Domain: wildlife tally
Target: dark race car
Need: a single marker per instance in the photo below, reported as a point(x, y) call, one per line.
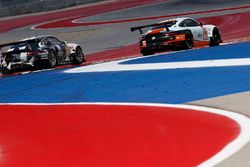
point(41, 52)
point(180, 33)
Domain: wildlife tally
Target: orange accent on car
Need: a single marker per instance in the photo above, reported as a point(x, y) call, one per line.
point(156, 31)
point(200, 43)
point(178, 38)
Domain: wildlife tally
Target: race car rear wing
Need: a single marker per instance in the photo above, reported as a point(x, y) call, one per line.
point(16, 43)
point(6, 45)
point(166, 25)
point(9, 45)
point(26, 42)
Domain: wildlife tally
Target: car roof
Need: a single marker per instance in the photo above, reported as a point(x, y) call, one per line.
point(36, 38)
point(178, 19)
point(26, 40)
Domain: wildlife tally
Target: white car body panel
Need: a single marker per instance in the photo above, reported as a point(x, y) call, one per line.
point(209, 28)
point(72, 47)
point(200, 33)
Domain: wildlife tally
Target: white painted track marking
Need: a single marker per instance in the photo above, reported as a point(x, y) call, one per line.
point(116, 66)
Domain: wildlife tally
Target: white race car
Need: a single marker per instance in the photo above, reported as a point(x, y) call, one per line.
point(183, 33)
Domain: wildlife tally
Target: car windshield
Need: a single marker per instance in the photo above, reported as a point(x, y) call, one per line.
point(163, 25)
point(157, 27)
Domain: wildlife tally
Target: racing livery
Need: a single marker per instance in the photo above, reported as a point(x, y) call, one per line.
point(180, 33)
point(41, 51)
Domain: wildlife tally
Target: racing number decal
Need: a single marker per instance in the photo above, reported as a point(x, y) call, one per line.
point(205, 34)
point(67, 50)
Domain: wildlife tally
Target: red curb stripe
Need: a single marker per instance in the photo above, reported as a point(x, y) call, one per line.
point(110, 136)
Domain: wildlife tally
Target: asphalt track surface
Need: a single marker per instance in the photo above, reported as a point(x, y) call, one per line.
point(221, 71)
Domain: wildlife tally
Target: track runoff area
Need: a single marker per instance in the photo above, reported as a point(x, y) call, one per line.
point(117, 113)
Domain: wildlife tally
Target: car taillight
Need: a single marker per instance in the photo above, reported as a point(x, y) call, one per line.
point(4, 55)
point(32, 52)
point(141, 37)
point(172, 33)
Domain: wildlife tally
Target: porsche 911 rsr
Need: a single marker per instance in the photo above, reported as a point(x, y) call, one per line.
point(40, 51)
point(180, 33)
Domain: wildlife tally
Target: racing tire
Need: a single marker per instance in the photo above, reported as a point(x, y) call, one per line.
point(52, 59)
point(216, 38)
point(146, 52)
point(189, 42)
point(78, 57)
point(5, 71)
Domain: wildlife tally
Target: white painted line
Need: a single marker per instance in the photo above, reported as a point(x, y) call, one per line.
point(228, 150)
point(116, 66)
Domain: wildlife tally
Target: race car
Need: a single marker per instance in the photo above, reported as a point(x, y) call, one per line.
point(41, 51)
point(178, 33)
